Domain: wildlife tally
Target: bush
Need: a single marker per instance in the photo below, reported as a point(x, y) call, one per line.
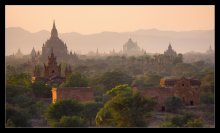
point(184, 120)
point(195, 123)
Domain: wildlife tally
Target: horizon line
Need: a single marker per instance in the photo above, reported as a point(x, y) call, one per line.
point(114, 31)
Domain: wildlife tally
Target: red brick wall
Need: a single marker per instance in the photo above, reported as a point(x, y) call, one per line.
point(187, 92)
point(182, 89)
point(160, 95)
point(82, 94)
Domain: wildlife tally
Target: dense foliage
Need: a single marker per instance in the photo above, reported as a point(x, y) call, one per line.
point(75, 80)
point(183, 120)
point(24, 99)
point(124, 109)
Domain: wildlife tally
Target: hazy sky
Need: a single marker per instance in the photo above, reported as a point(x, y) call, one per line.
point(93, 19)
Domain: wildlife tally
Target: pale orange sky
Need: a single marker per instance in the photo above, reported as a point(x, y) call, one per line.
point(93, 19)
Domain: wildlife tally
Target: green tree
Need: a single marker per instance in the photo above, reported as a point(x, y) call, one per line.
point(22, 79)
point(124, 109)
point(71, 121)
point(16, 116)
point(208, 82)
point(186, 119)
point(75, 80)
point(40, 89)
point(147, 80)
point(173, 104)
point(112, 79)
point(62, 108)
point(184, 69)
point(19, 96)
point(89, 112)
point(82, 69)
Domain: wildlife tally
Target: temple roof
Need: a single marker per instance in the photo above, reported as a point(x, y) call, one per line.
point(54, 40)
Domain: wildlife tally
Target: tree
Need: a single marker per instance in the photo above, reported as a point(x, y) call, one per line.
point(82, 69)
point(16, 116)
point(184, 69)
point(208, 81)
point(22, 79)
point(112, 79)
point(173, 104)
point(71, 121)
point(62, 108)
point(75, 80)
point(147, 80)
point(19, 96)
point(187, 119)
point(19, 99)
point(90, 110)
point(124, 109)
point(40, 89)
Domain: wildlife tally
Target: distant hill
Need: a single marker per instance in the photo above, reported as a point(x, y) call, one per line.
point(152, 40)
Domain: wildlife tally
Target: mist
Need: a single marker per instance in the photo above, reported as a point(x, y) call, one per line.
point(151, 40)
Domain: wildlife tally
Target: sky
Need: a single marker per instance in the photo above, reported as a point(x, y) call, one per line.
point(88, 19)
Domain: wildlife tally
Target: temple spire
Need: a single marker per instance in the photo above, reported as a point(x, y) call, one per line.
point(169, 47)
point(54, 32)
point(54, 26)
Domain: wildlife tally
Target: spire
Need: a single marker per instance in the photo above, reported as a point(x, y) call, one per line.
point(33, 52)
point(169, 47)
point(210, 50)
point(54, 32)
point(54, 26)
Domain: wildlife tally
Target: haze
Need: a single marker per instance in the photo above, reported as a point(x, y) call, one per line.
point(95, 19)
